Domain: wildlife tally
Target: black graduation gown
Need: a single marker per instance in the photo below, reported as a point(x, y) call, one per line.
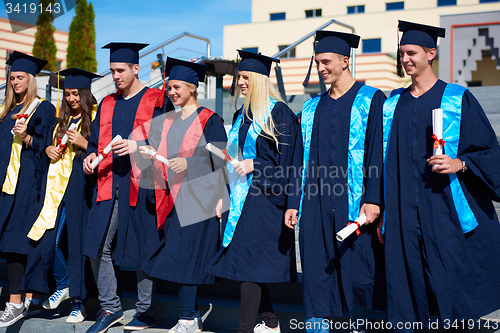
point(19, 211)
point(191, 240)
point(263, 248)
point(77, 201)
point(462, 267)
point(137, 236)
point(337, 276)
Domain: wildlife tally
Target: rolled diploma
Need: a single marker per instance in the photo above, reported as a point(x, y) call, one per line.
point(214, 150)
point(437, 129)
point(151, 153)
point(348, 230)
point(107, 150)
point(30, 110)
point(65, 137)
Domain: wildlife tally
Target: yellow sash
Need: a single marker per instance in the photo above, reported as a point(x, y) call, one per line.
point(10, 182)
point(57, 182)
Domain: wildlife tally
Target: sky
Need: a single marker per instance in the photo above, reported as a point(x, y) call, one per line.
point(155, 21)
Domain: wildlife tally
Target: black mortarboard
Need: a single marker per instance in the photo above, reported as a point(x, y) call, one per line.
point(420, 34)
point(124, 52)
point(77, 78)
point(20, 62)
point(254, 62)
point(335, 42)
point(185, 71)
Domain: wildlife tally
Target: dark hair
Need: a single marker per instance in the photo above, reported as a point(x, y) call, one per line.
point(87, 101)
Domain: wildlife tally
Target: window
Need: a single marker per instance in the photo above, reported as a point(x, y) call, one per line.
point(277, 16)
point(313, 13)
point(288, 54)
point(372, 45)
point(394, 5)
point(447, 3)
point(251, 49)
point(486, 1)
point(355, 9)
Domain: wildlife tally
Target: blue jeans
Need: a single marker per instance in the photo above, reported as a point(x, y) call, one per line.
point(60, 273)
point(317, 325)
point(187, 298)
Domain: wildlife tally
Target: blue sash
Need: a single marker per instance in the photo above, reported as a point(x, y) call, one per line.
point(451, 103)
point(240, 185)
point(356, 149)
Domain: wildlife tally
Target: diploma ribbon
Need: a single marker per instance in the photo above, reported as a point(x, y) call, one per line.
point(103, 153)
point(24, 115)
point(356, 223)
point(437, 142)
point(227, 157)
point(62, 147)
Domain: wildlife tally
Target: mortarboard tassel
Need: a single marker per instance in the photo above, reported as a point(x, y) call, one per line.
point(399, 66)
point(308, 76)
point(161, 98)
point(235, 75)
point(58, 105)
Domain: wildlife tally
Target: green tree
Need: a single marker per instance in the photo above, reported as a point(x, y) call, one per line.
point(45, 44)
point(81, 38)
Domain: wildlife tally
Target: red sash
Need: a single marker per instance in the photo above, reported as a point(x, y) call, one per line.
point(142, 118)
point(165, 195)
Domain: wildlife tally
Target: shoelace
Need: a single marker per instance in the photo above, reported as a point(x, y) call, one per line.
point(77, 308)
point(8, 310)
point(56, 295)
point(101, 315)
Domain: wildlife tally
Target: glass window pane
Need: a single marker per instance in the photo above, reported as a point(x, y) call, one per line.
point(372, 45)
point(277, 16)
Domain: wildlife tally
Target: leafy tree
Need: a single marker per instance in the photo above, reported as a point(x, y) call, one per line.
point(45, 44)
point(81, 39)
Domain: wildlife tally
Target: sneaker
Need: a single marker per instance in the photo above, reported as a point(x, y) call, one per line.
point(31, 309)
point(186, 326)
point(11, 314)
point(263, 328)
point(105, 320)
point(78, 314)
point(141, 321)
point(57, 297)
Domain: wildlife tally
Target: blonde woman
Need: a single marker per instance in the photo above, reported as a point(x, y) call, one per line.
point(21, 170)
point(257, 248)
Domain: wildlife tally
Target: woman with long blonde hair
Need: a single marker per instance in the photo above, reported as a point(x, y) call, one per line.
point(257, 249)
point(21, 169)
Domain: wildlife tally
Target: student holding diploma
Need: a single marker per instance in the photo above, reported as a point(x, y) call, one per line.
point(188, 191)
point(441, 230)
point(22, 167)
point(257, 247)
point(122, 205)
point(339, 152)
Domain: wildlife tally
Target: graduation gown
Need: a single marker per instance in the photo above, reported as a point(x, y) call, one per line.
point(191, 228)
point(77, 201)
point(336, 275)
point(136, 236)
point(422, 222)
point(262, 249)
point(19, 211)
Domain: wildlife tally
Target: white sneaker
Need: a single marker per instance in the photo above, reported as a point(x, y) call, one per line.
point(263, 328)
point(57, 297)
point(78, 314)
point(11, 314)
point(186, 326)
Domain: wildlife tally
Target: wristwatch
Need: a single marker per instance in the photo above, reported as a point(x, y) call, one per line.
point(464, 165)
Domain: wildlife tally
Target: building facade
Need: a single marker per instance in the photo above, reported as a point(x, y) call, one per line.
point(279, 23)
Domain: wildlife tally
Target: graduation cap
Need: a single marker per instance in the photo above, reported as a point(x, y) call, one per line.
point(420, 34)
point(77, 78)
point(20, 62)
point(255, 62)
point(124, 52)
point(335, 42)
point(185, 71)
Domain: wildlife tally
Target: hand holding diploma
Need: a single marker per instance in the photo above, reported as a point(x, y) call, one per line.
point(149, 151)
point(351, 227)
point(23, 117)
point(61, 143)
point(104, 152)
point(223, 154)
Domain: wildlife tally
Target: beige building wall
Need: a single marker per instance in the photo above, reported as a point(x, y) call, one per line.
point(377, 69)
point(23, 42)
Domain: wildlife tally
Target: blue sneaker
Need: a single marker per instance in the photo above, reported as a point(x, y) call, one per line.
point(105, 320)
point(141, 321)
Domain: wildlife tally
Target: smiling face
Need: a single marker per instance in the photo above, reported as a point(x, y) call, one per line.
point(415, 59)
point(72, 98)
point(19, 82)
point(179, 92)
point(123, 74)
point(243, 82)
point(331, 66)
